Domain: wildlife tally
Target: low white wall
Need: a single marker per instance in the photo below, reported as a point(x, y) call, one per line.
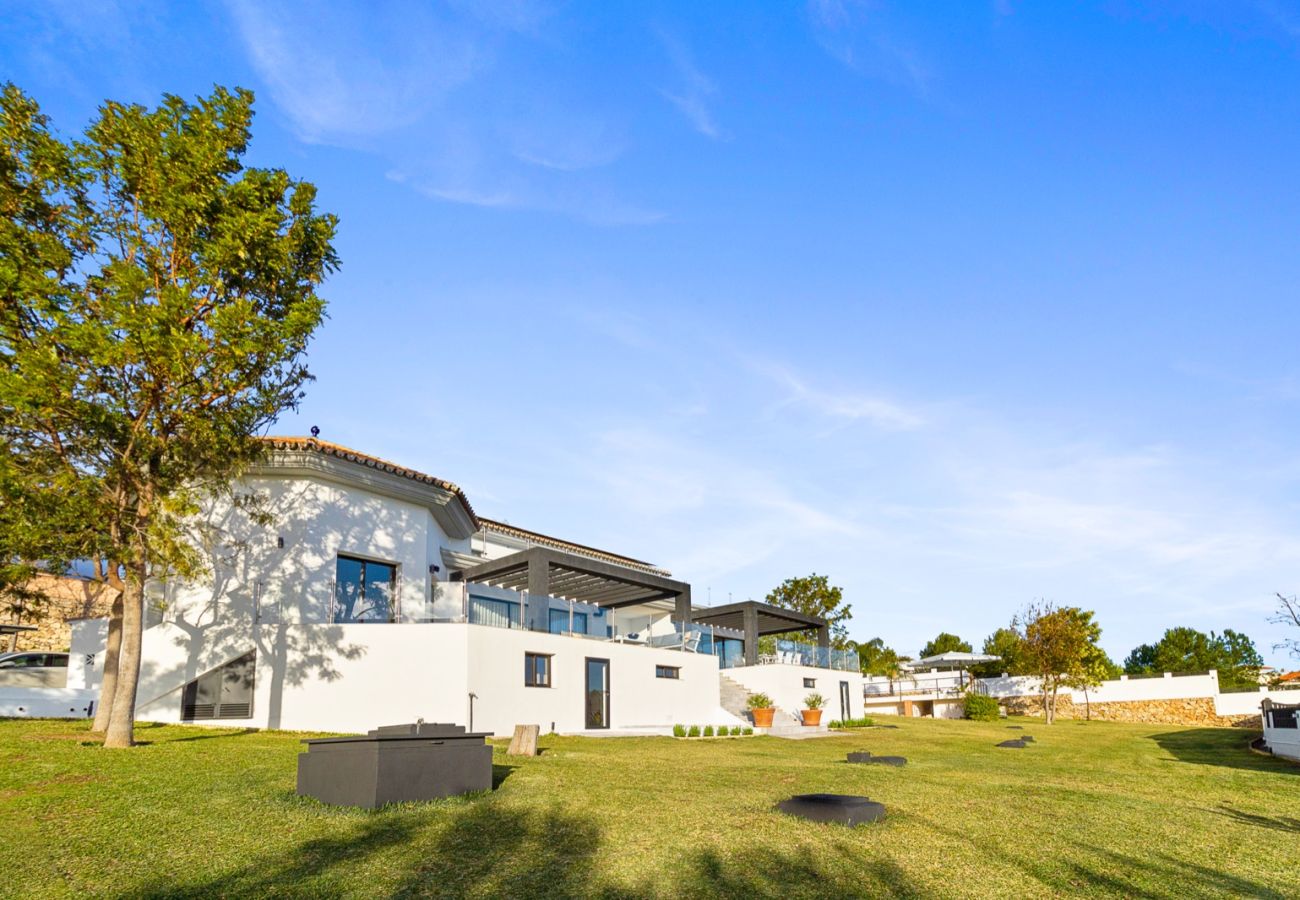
point(784, 684)
point(1168, 687)
point(1248, 703)
point(48, 703)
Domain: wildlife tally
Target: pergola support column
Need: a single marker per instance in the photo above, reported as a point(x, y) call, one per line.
point(682, 612)
point(750, 619)
point(537, 615)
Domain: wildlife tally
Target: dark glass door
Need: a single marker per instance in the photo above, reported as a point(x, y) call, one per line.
point(597, 693)
point(844, 701)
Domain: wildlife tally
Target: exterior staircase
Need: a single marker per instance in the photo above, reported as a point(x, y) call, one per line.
point(735, 700)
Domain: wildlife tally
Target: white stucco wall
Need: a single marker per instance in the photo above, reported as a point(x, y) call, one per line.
point(638, 700)
point(784, 684)
point(317, 520)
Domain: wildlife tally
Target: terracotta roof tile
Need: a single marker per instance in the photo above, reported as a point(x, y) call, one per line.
point(570, 547)
point(374, 462)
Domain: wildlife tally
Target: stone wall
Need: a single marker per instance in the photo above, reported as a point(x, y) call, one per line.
point(66, 598)
point(1189, 711)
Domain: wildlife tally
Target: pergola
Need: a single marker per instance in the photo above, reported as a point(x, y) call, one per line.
point(756, 619)
point(544, 572)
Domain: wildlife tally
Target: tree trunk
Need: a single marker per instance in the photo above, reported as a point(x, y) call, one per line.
point(121, 723)
point(112, 649)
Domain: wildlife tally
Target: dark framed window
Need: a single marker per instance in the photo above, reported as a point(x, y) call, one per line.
point(674, 672)
point(810, 682)
point(364, 590)
point(537, 670)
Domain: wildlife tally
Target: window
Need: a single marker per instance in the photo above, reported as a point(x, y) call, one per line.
point(673, 672)
point(537, 670)
point(364, 591)
point(224, 693)
point(559, 622)
point(497, 613)
point(810, 682)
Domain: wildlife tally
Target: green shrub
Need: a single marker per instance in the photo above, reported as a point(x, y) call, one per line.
point(747, 730)
point(981, 708)
point(694, 731)
point(735, 730)
point(708, 731)
point(839, 724)
point(679, 731)
point(759, 701)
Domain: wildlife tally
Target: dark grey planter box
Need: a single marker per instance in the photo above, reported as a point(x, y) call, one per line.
point(395, 764)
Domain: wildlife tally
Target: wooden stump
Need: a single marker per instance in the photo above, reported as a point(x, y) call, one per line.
point(524, 742)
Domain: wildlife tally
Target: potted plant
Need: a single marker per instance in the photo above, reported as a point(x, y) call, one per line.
point(811, 714)
point(760, 707)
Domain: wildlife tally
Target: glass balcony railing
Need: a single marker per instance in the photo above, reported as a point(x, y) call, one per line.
point(795, 653)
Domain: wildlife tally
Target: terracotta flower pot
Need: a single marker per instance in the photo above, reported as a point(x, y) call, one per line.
point(811, 716)
point(763, 717)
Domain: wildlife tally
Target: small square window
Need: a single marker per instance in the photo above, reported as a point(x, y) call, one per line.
point(673, 672)
point(810, 682)
point(537, 670)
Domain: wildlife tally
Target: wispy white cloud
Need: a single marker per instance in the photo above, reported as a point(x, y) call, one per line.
point(409, 82)
point(845, 405)
point(346, 73)
point(694, 91)
point(858, 34)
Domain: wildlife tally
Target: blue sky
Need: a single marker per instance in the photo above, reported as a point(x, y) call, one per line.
point(963, 304)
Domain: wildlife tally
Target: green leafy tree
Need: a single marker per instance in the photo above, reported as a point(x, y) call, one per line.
point(945, 643)
point(875, 658)
point(1059, 648)
point(814, 595)
point(1185, 650)
point(156, 300)
point(1004, 643)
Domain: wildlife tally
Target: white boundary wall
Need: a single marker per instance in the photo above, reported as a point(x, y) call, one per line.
point(48, 703)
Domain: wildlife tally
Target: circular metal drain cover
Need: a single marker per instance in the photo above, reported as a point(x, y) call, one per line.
point(846, 809)
point(866, 757)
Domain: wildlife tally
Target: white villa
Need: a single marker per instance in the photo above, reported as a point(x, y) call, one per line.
point(377, 595)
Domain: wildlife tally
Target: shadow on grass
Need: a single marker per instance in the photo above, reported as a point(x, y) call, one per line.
point(487, 848)
point(1278, 823)
point(771, 872)
point(1151, 874)
point(229, 733)
point(1218, 747)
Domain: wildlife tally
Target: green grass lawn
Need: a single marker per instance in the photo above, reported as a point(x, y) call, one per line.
point(1090, 809)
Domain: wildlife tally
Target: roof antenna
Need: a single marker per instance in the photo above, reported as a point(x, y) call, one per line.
point(315, 432)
